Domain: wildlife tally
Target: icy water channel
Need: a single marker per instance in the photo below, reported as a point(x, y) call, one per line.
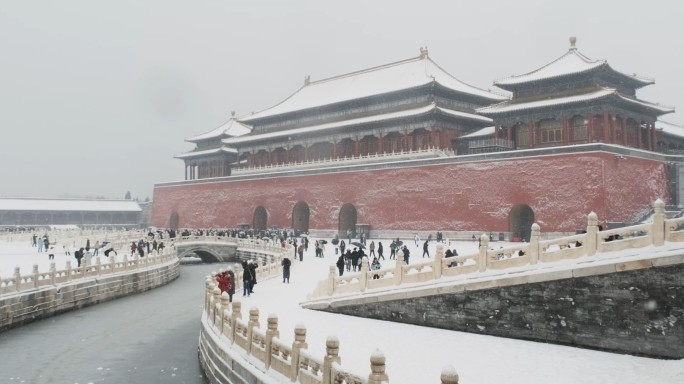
point(146, 338)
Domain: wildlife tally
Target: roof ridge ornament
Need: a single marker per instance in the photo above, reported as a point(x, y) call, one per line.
point(423, 52)
point(573, 40)
point(307, 80)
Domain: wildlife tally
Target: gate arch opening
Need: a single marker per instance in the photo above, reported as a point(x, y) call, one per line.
point(300, 217)
point(174, 221)
point(347, 220)
point(260, 219)
point(520, 221)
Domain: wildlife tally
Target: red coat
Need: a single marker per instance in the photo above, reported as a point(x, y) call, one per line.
point(225, 283)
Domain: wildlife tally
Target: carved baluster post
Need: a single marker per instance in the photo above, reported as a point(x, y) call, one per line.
point(591, 238)
point(534, 243)
point(298, 344)
point(53, 273)
point(437, 266)
point(449, 375)
point(17, 279)
point(483, 260)
point(377, 375)
point(236, 314)
point(364, 274)
point(125, 262)
point(332, 351)
point(658, 229)
point(209, 283)
point(251, 324)
point(36, 275)
point(212, 302)
point(399, 268)
point(112, 262)
point(68, 270)
point(271, 332)
point(332, 274)
point(98, 266)
point(225, 304)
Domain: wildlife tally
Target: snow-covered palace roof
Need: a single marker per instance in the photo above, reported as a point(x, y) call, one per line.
point(231, 128)
point(511, 106)
point(572, 62)
point(392, 77)
point(431, 108)
point(29, 204)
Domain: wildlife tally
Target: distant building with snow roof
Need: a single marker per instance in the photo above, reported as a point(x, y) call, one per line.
point(41, 212)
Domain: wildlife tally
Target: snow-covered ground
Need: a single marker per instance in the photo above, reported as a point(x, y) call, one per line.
point(417, 354)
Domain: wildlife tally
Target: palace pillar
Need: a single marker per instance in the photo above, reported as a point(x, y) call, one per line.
point(590, 128)
point(608, 134)
point(566, 130)
point(381, 141)
point(653, 137)
point(639, 129)
point(356, 147)
point(533, 135)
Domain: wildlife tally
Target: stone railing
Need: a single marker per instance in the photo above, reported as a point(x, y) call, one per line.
point(524, 254)
point(20, 283)
point(223, 330)
point(340, 161)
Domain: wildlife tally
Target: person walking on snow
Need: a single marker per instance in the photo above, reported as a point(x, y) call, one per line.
point(286, 269)
point(425, 249)
point(371, 249)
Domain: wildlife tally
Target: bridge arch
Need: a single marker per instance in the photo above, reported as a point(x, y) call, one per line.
point(300, 217)
point(520, 220)
point(206, 254)
point(347, 219)
point(260, 218)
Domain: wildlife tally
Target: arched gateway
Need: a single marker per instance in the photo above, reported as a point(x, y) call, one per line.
point(347, 219)
point(174, 221)
point(300, 217)
point(520, 221)
point(260, 218)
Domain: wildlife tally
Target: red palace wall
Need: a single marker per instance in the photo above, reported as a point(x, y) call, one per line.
point(561, 190)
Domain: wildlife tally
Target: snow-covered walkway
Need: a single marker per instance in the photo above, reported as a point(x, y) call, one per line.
point(417, 354)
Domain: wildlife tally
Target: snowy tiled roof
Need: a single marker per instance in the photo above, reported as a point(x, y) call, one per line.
point(361, 120)
point(508, 106)
point(231, 128)
point(486, 131)
point(373, 81)
point(573, 62)
point(213, 151)
point(26, 204)
point(670, 128)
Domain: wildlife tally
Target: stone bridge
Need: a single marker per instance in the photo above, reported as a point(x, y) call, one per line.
point(208, 251)
point(213, 249)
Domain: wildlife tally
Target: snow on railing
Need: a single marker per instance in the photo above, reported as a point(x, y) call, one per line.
point(294, 361)
point(431, 152)
point(515, 256)
point(36, 279)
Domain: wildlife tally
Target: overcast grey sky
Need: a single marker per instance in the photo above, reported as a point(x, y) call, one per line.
point(97, 97)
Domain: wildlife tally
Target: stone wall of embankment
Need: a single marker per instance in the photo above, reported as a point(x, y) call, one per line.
point(638, 310)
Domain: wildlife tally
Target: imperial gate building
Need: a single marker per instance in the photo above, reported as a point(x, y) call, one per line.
point(407, 146)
